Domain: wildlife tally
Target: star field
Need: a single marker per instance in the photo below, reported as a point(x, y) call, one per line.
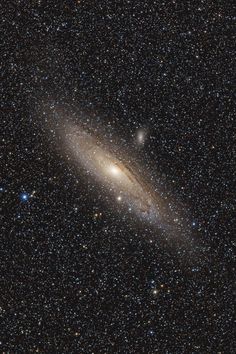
point(78, 273)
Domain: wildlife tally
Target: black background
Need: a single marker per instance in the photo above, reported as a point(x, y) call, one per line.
point(74, 282)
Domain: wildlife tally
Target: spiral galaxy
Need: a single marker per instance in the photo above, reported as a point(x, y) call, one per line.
point(111, 172)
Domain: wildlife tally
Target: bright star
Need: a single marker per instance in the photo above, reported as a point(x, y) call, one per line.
point(24, 197)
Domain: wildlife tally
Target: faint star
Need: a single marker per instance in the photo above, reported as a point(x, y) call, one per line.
point(151, 332)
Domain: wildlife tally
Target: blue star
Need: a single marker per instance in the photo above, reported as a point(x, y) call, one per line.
point(151, 332)
point(24, 197)
point(152, 283)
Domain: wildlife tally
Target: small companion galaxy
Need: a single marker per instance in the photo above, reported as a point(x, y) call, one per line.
point(118, 159)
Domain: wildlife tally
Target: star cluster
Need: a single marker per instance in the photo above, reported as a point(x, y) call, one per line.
point(77, 274)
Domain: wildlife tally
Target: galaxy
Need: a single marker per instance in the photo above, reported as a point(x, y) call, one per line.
point(109, 170)
point(126, 183)
point(117, 177)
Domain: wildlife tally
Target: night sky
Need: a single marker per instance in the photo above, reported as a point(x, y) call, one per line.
point(80, 272)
